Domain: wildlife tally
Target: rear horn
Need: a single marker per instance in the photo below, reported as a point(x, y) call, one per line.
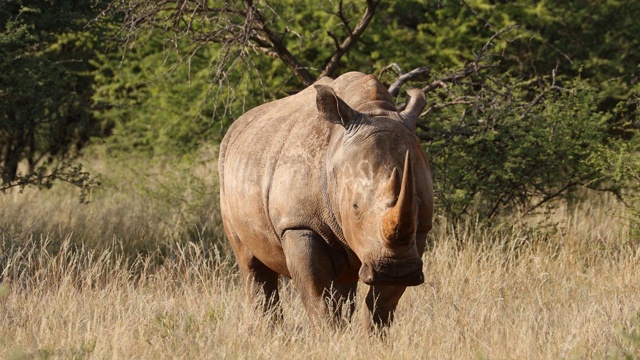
point(416, 102)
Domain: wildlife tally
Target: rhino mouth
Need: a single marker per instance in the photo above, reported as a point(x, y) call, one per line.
point(406, 272)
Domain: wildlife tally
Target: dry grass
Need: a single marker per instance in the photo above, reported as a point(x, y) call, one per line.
point(509, 292)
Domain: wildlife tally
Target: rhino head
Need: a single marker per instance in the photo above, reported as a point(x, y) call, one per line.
point(371, 184)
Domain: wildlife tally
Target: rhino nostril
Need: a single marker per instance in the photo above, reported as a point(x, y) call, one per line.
point(366, 274)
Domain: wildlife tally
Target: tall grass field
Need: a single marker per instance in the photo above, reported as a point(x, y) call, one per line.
point(143, 272)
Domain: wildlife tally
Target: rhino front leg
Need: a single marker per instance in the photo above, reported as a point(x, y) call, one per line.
point(313, 268)
point(379, 306)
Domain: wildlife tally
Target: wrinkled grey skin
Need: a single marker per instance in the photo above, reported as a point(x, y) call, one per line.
point(328, 187)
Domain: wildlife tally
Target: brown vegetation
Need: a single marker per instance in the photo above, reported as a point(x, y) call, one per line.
point(571, 290)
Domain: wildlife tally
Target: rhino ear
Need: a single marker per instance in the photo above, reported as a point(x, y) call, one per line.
point(334, 109)
point(416, 102)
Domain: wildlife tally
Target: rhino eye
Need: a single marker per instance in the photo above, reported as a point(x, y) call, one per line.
point(356, 212)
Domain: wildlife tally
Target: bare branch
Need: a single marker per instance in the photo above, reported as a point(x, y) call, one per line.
point(352, 37)
point(238, 25)
point(473, 67)
point(495, 36)
point(469, 70)
point(335, 39)
point(343, 18)
point(391, 67)
point(265, 50)
point(420, 72)
point(278, 46)
point(446, 105)
point(551, 196)
point(474, 12)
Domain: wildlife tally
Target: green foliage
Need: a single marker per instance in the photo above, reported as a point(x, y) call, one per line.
point(529, 109)
point(535, 92)
point(45, 104)
point(590, 39)
point(157, 102)
point(518, 153)
point(150, 107)
point(518, 131)
point(621, 164)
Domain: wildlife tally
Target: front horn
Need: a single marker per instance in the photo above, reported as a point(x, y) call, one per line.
point(399, 222)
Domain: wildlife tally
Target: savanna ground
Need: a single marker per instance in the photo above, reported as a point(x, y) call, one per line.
point(142, 271)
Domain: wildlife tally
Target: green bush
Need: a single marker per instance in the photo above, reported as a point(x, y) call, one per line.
point(45, 90)
point(534, 92)
point(518, 150)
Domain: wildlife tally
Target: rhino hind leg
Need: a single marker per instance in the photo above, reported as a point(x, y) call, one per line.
point(261, 282)
point(262, 285)
point(314, 270)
